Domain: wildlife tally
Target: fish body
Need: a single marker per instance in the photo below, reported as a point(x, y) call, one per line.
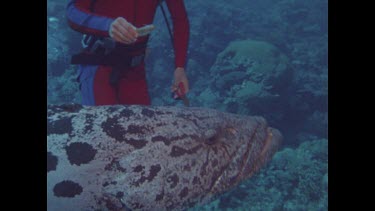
point(149, 158)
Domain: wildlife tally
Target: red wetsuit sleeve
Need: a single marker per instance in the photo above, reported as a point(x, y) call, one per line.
point(180, 30)
point(81, 19)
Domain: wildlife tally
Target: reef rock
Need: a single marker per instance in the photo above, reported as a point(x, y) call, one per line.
point(251, 73)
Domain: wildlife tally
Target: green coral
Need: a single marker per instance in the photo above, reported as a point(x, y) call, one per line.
point(248, 90)
point(250, 77)
point(254, 56)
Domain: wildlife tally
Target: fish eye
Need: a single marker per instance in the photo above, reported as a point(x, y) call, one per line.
point(212, 140)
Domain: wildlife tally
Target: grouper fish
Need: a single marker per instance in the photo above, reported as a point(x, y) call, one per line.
point(149, 158)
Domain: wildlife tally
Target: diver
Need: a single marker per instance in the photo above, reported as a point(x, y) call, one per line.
point(111, 66)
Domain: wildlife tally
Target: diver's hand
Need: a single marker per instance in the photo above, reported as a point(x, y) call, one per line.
point(123, 31)
point(180, 76)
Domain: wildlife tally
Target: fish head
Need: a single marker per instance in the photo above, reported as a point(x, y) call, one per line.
point(235, 148)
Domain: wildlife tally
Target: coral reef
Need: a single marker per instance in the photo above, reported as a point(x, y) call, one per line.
point(249, 77)
point(62, 42)
point(63, 89)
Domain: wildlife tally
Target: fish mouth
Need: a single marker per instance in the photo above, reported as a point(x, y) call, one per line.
point(270, 147)
point(270, 143)
point(248, 165)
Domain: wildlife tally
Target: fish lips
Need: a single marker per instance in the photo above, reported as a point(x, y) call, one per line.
point(269, 147)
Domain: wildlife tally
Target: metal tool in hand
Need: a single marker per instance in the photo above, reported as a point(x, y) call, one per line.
point(145, 30)
point(180, 94)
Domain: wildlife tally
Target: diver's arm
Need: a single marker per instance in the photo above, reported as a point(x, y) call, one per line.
point(180, 42)
point(81, 19)
point(180, 30)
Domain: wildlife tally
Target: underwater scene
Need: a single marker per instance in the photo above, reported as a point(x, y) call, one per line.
point(266, 58)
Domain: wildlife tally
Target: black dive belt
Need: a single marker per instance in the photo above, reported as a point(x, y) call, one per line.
point(120, 56)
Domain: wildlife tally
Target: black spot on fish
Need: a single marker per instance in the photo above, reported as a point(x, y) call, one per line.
point(184, 192)
point(161, 138)
point(187, 167)
point(112, 109)
point(161, 113)
point(138, 144)
point(113, 129)
point(67, 188)
point(153, 173)
point(178, 151)
point(116, 131)
point(135, 129)
point(183, 116)
point(188, 117)
point(51, 162)
point(114, 165)
point(177, 138)
point(138, 168)
point(196, 181)
point(159, 196)
point(120, 194)
point(105, 184)
point(51, 110)
point(60, 126)
point(147, 112)
point(80, 153)
point(137, 205)
point(173, 180)
point(113, 203)
point(72, 107)
point(127, 113)
point(160, 124)
point(120, 168)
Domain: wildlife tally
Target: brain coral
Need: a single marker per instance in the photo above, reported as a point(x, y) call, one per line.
point(253, 75)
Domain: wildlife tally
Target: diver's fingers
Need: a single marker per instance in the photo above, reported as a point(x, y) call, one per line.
point(118, 37)
point(122, 34)
point(115, 32)
point(130, 29)
point(121, 31)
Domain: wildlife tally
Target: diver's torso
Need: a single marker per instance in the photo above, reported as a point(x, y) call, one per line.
point(137, 12)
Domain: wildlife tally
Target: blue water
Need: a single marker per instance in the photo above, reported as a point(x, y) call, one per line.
point(251, 57)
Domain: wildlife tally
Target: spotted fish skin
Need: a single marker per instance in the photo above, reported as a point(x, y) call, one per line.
point(149, 158)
